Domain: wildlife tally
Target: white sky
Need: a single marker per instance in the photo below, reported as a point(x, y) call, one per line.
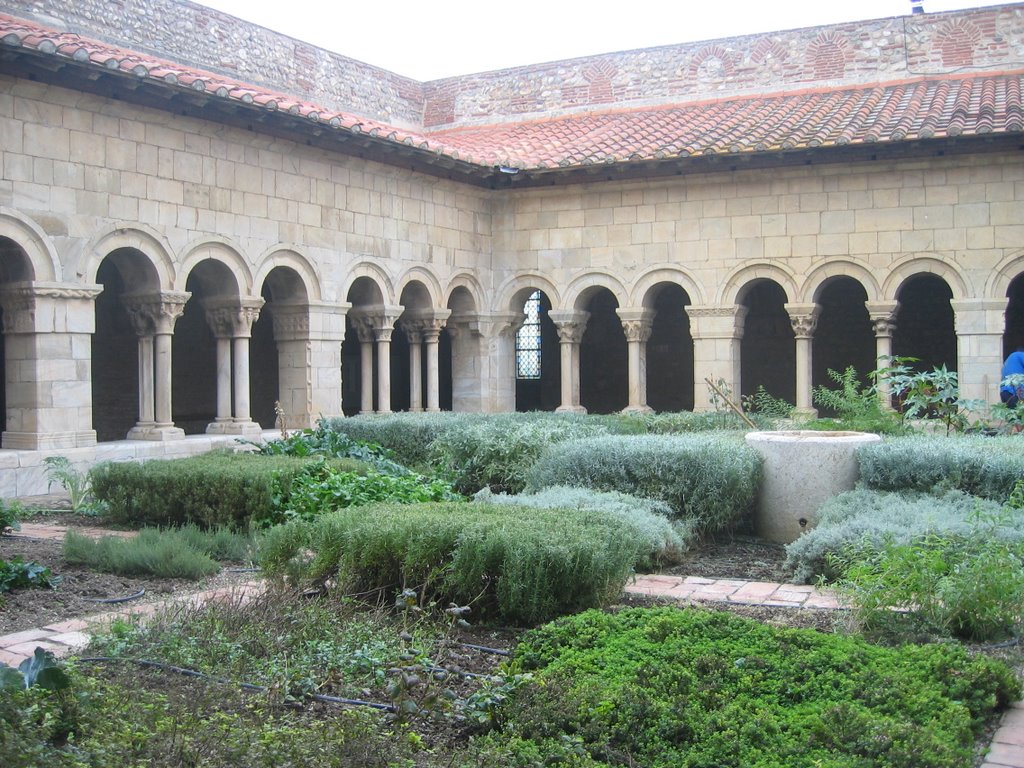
point(429, 39)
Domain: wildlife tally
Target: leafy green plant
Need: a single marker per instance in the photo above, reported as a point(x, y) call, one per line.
point(11, 513)
point(966, 586)
point(929, 394)
point(320, 488)
point(325, 440)
point(41, 669)
point(669, 687)
point(857, 406)
point(60, 470)
point(17, 574)
point(766, 404)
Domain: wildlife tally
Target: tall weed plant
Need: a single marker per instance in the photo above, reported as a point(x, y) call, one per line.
point(709, 481)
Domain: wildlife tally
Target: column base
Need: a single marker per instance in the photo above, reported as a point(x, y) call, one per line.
point(805, 413)
point(47, 441)
point(234, 428)
point(638, 409)
point(157, 432)
point(570, 409)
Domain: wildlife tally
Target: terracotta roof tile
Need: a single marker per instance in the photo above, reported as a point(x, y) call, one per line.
point(933, 107)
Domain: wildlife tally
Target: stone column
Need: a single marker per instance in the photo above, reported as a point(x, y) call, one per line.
point(364, 331)
point(231, 319)
point(980, 324)
point(883, 321)
point(308, 338)
point(154, 315)
point(47, 338)
point(413, 333)
point(432, 328)
point(804, 319)
point(716, 332)
point(637, 324)
point(571, 325)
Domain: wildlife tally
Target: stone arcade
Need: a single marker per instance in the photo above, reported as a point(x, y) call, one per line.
point(199, 216)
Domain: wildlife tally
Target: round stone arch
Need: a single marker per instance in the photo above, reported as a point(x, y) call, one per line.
point(906, 268)
point(223, 252)
point(1005, 272)
point(468, 283)
point(585, 286)
point(427, 279)
point(34, 242)
point(148, 242)
point(641, 292)
point(1006, 282)
point(295, 261)
point(819, 279)
point(373, 273)
point(741, 279)
point(513, 293)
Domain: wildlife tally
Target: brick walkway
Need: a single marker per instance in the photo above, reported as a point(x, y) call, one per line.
point(63, 638)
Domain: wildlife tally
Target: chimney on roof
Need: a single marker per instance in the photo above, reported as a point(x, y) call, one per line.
point(917, 6)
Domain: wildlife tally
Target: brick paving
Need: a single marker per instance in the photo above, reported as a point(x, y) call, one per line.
point(65, 637)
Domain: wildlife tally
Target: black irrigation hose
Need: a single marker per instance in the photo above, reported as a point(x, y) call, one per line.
point(485, 649)
point(1004, 644)
point(242, 570)
point(246, 686)
point(137, 595)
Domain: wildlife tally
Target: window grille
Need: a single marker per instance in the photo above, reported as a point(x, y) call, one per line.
point(528, 340)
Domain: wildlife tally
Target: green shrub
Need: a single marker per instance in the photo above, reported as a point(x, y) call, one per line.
point(970, 586)
point(320, 488)
point(209, 490)
point(865, 520)
point(407, 435)
point(982, 466)
point(330, 443)
point(665, 541)
point(683, 422)
point(669, 687)
point(524, 565)
point(10, 513)
point(709, 481)
point(497, 452)
point(186, 554)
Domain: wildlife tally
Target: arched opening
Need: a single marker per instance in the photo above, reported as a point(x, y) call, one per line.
point(669, 350)
point(269, 366)
point(194, 350)
point(115, 343)
point(924, 323)
point(538, 364)
point(604, 368)
point(768, 348)
point(359, 350)
point(1013, 333)
point(15, 267)
point(843, 336)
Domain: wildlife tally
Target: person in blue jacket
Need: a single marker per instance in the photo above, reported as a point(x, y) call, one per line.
point(1014, 365)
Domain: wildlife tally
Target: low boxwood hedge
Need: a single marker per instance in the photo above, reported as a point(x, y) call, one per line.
point(519, 564)
point(710, 481)
point(219, 488)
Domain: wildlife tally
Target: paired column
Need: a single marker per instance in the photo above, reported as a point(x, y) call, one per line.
point(152, 317)
point(423, 331)
point(374, 326)
point(571, 325)
point(804, 319)
point(231, 321)
point(47, 329)
point(717, 333)
point(637, 324)
point(883, 321)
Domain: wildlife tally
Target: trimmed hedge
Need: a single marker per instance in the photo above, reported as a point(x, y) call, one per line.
point(982, 466)
point(214, 489)
point(666, 687)
point(865, 518)
point(521, 565)
point(710, 481)
point(407, 435)
point(665, 541)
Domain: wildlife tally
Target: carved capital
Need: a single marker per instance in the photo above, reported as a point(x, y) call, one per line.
point(803, 318)
point(883, 316)
point(291, 321)
point(21, 300)
point(571, 324)
point(636, 323)
point(232, 317)
point(155, 313)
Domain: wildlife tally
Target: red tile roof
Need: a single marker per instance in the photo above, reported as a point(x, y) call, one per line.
point(933, 107)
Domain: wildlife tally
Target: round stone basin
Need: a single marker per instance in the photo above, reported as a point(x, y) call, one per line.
point(802, 469)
